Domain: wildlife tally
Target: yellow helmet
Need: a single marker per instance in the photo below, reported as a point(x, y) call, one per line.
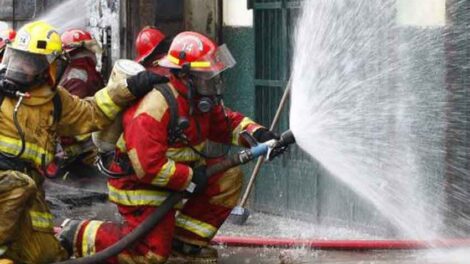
point(33, 54)
point(38, 37)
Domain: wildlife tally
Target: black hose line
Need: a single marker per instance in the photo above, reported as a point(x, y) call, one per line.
point(20, 133)
point(152, 220)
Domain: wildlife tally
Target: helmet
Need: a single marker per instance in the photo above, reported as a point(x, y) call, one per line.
point(146, 42)
point(73, 39)
point(36, 46)
point(6, 36)
point(199, 54)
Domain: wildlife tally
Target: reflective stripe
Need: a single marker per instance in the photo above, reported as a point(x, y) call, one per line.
point(197, 64)
point(76, 73)
point(242, 126)
point(197, 227)
point(89, 235)
point(3, 249)
point(135, 197)
point(31, 152)
point(185, 154)
point(165, 173)
point(106, 104)
point(41, 220)
point(73, 150)
point(121, 144)
point(83, 137)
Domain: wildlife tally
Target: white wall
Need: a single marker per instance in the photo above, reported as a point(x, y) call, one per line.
point(201, 16)
point(236, 14)
point(421, 12)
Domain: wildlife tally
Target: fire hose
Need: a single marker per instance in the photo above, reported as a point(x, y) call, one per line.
point(242, 157)
point(385, 244)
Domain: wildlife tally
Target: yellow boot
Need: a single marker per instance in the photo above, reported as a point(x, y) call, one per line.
point(6, 261)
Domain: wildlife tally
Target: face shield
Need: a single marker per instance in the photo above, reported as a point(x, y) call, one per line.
point(213, 64)
point(209, 87)
point(24, 68)
point(207, 80)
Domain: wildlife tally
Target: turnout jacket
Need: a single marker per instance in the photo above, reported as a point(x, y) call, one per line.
point(158, 166)
point(77, 117)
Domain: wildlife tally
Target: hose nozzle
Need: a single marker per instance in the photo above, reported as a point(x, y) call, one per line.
point(287, 138)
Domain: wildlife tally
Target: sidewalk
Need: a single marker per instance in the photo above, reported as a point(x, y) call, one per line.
point(87, 198)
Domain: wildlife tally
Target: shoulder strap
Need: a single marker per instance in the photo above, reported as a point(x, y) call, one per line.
point(57, 107)
point(165, 90)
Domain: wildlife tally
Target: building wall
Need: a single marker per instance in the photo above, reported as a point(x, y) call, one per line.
point(238, 35)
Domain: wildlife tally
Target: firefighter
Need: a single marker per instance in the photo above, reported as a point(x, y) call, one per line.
point(157, 157)
point(82, 79)
point(34, 111)
point(6, 36)
point(151, 45)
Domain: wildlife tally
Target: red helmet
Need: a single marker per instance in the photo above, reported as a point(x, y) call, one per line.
point(75, 38)
point(6, 36)
point(199, 53)
point(147, 41)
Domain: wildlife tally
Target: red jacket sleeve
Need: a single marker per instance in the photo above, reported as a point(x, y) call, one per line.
point(76, 87)
point(226, 127)
point(145, 136)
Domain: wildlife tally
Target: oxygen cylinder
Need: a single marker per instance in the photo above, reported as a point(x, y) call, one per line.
point(106, 139)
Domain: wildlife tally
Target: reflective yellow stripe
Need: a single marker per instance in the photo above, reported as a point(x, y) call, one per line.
point(242, 126)
point(89, 235)
point(173, 59)
point(3, 249)
point(185, 154)
point(41, 220)
point(200, 64)
point(73, 150)
point(197, 64)
point(165, 173)
point(136, 197)
point(32, 151)
point(106, 104)
point(83, 137)
point(197, 227)
point(121, 144)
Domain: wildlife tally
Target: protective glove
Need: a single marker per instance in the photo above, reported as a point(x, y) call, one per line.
point(276, 151)
point(142, 83)
point(199, 180)
point(263, 134)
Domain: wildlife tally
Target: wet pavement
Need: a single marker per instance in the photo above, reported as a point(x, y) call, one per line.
point(85, 197)
point(288, 256)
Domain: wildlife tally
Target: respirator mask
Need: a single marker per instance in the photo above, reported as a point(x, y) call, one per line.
point(209, 91)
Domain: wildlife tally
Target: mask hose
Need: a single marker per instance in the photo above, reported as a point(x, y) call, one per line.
point(20, 131)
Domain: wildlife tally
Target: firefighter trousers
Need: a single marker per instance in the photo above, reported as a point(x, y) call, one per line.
point(26, 227)
point(197, 222)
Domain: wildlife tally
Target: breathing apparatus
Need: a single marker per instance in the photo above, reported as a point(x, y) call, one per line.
point(202, 95)
point(32, 59)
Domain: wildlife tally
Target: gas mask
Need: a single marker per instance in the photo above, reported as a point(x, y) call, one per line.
point(27, 70)
point(209, 91)
point(24, 69)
